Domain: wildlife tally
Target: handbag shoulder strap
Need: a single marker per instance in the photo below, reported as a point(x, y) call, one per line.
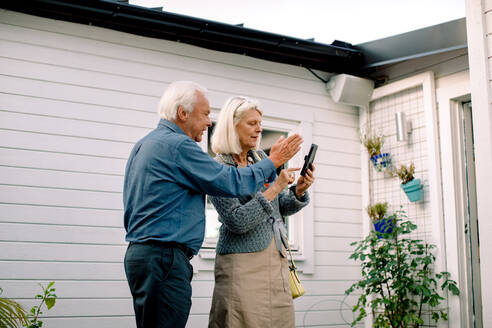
point(291, 257)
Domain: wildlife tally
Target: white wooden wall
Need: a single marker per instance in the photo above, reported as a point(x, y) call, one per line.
point(73, 101)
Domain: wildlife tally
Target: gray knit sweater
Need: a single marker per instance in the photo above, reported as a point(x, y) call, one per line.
point(245, 221)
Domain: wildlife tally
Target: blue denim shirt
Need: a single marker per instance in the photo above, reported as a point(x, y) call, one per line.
point(166, 179)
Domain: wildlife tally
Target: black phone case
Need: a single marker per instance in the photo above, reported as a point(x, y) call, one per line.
point(309, 158)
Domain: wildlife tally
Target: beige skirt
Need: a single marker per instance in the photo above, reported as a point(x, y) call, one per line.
point(252, 290)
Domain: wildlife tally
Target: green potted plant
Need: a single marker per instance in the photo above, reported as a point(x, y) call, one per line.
point(382, 223)
point(398, 281)
point(373, 143)
point(411, 186)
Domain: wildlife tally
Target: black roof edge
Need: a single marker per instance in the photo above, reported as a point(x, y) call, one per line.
point(339, 57)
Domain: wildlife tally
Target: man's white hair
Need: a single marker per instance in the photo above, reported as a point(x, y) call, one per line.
point(225, 139)
point(179, 93)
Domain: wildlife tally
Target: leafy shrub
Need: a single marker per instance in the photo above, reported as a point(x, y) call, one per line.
point(398, 282)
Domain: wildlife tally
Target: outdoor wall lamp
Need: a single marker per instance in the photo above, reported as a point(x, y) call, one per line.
point(403, 127)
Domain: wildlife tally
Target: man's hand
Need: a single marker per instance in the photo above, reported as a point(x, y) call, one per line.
point(284, 149)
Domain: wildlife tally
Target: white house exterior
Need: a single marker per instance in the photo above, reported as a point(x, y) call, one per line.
point(74, 99)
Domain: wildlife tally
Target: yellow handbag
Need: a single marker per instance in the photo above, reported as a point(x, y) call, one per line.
point(294, 281)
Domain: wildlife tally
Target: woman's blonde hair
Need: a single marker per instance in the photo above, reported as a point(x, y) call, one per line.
point(224, 138)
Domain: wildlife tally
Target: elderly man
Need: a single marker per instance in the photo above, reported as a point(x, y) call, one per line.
point(166, 179)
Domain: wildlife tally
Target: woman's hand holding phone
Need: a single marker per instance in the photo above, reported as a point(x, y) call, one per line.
point(304, 182)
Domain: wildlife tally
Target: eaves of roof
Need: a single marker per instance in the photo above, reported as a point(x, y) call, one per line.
point(428, 41)
point(338, 57)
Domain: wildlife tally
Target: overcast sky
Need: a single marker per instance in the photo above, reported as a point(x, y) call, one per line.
point(353, 21)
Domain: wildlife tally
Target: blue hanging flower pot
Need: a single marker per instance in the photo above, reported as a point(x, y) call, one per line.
point(381, 161)
point(413, 189)
point(383, 226)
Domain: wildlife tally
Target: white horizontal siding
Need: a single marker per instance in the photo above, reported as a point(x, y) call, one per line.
point(337, 215)
point(338, 172)
point(71, 289)
point(338, 187)
point(61, 234)
point(92, 321)
point(78, 111)
point(74, 99)
point(75, 93)
point(42, 214)
point(61, 179)
point(70, 127)
point(74, 145)
point(60, 197)
point(63, 162)
point(40, 270)
point(337, 229)
point(73, 250)
point(336, 158)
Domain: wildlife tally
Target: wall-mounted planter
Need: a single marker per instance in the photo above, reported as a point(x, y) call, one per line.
point(383, 226)
point(381, 161)
point(413, 189)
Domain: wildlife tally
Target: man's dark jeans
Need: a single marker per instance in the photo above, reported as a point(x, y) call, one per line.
point(159, 277)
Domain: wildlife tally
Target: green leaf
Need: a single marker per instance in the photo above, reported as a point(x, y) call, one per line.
point(50, 302)
point(454, 289)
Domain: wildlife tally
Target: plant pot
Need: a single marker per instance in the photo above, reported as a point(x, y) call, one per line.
point(413, 189)
point(381, 161)
point(383, 226)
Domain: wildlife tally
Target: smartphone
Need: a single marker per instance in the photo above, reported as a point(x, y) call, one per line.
point(309, 159)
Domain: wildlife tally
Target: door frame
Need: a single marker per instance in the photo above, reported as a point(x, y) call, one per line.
point(452, 92)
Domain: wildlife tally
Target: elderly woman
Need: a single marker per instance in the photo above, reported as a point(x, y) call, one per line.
point(251, 268)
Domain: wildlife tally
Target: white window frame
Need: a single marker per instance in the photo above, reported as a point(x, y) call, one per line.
point(301, 224)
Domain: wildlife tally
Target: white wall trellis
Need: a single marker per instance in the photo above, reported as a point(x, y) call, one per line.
point(383, 188)
point(415, 96)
